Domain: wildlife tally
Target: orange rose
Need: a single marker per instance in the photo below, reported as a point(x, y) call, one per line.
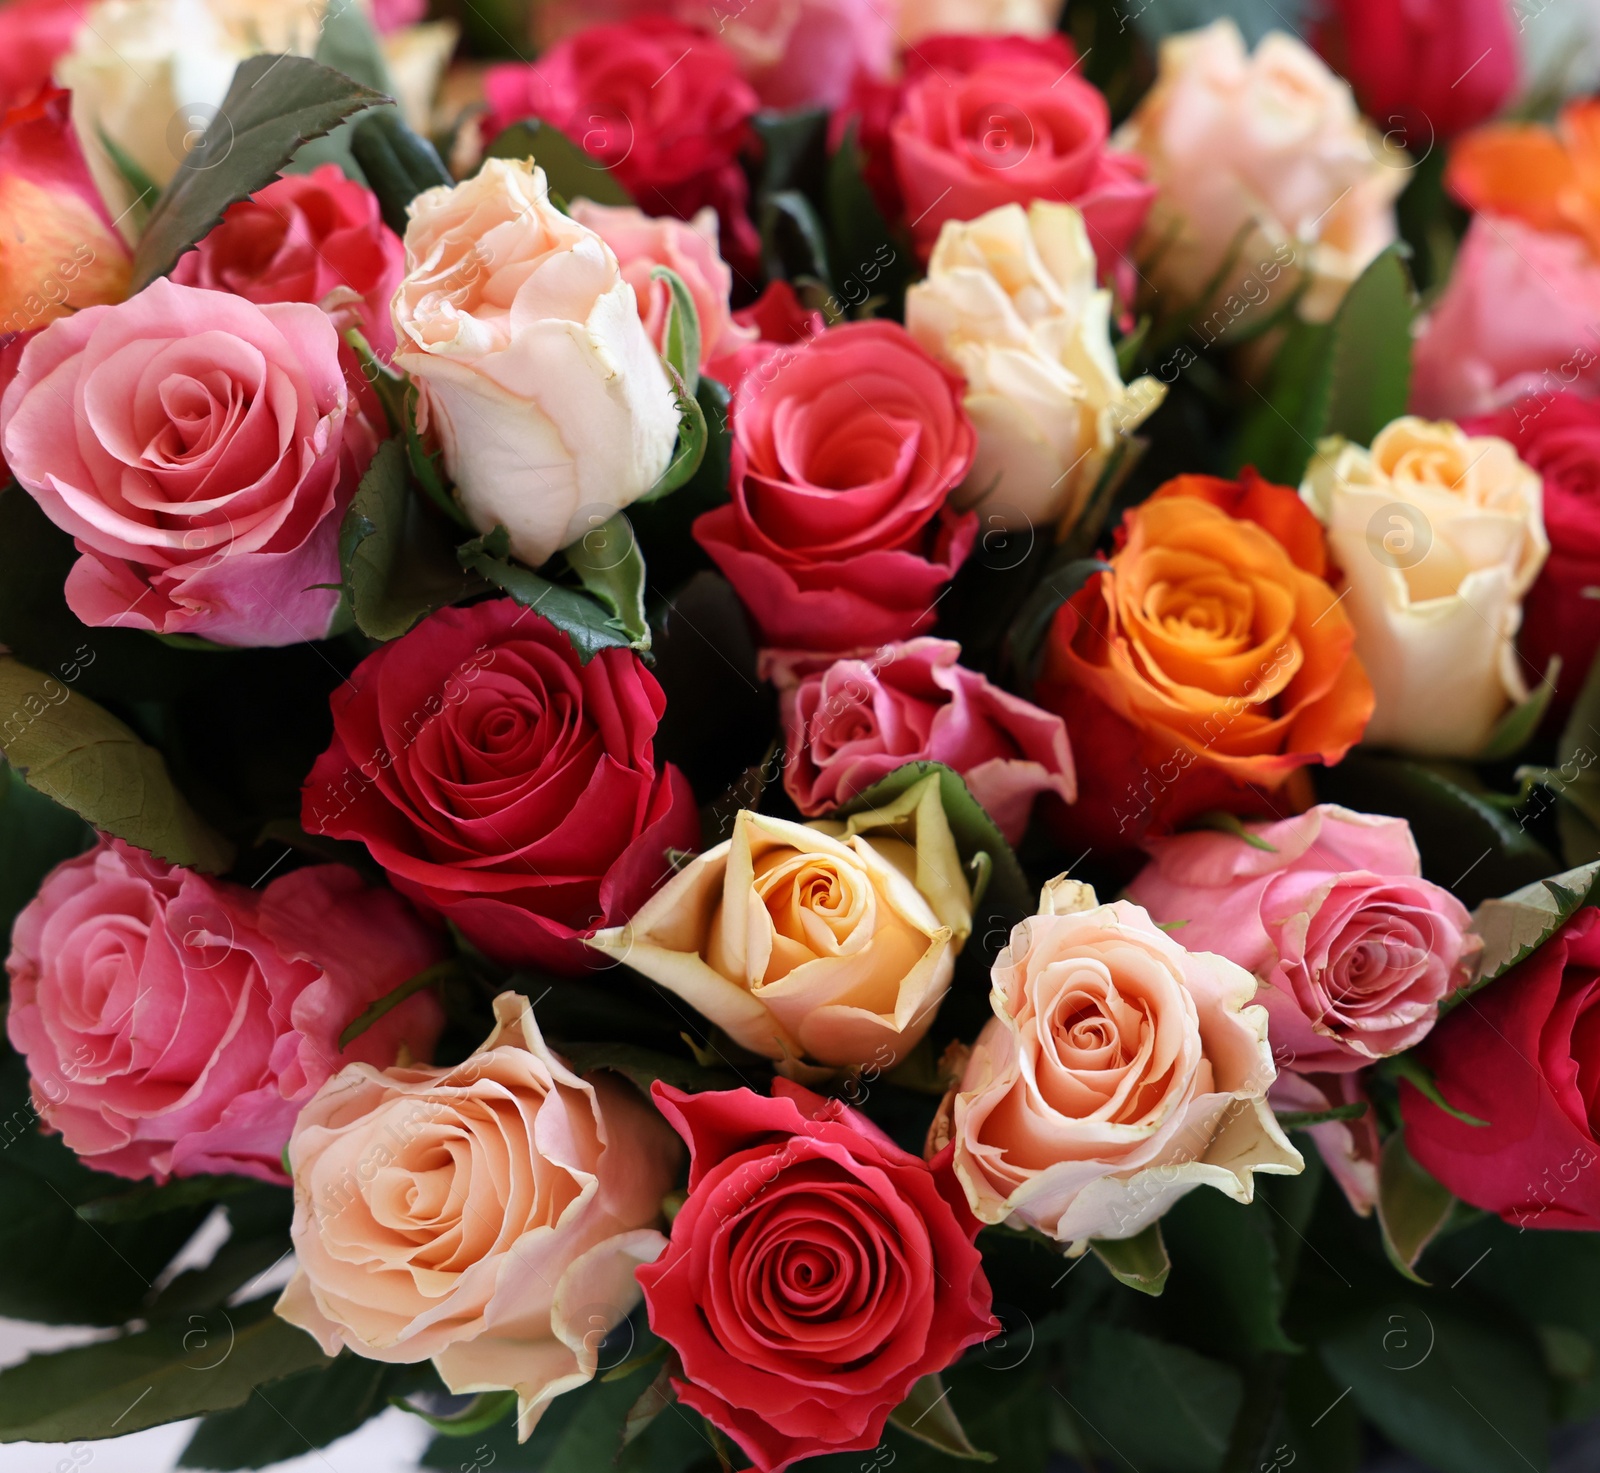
point(1207, 667)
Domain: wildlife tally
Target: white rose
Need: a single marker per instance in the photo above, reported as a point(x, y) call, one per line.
point(1263, 160)
point(1439, 535)
point(534, 368)
point(1011, 304)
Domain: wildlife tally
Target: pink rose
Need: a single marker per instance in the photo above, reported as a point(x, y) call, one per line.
point(315, 238)
point(33, 33)
point(641, 243)
point(390, 16)
point(1350, 1149)
point(1519, 316)
point(854, 720)
point(174, 1024)
point(1353, 949)
point(200, 450)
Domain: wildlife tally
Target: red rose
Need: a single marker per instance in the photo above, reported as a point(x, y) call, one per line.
point(502, 783)
point(1013, 130)
point(315, 238)
point(1429, 68)
point(844, 450)
point(1524, 1055)
point(1559, 436)
point(33, 33)
point(816, 1272)
point(659, 104)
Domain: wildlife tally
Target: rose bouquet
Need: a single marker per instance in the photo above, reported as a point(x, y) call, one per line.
point(772, 736)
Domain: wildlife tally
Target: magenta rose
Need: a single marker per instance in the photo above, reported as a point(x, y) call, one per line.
point(1353, 949)
point(1558, 434)
point(174, 1024)
point(853, 720)
point(201, 451)
point(845, 449)
point(504, 784)
point(815, 1274)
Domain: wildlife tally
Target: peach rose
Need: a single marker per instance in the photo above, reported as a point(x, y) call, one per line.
point(1118, 1073)
point(1254, 151)
point(811, 941)
point(487, 1217)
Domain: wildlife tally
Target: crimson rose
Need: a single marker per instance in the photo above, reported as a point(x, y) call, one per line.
point(502, 783)
point(815, 1274)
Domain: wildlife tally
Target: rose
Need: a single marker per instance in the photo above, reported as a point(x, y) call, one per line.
point(1010, 304)
point(919, 19)
point(811, 941)
point(69, 255)
point(206, 499)
point(174, 1024)
point(1517, 317)
point(1428, 68)
point(1119, 1072)
point(640, 244)
point(854, 720)
point(533, 367)
point(1353, 949)
point(33, 33)
point(659, 104)
point(1350, 1149)
point(815, 1273)
point(1558, 436)
point(1208, 666)
point(1252, 152)
point(844, 451)
point(503, 783)
point(1520, 1058)
point(778, 319)
point(315, 238)
point(1438, 535)
point(1010, 131)
point(487, 1217)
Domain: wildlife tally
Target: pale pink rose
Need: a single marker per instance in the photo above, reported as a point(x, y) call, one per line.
point(853, 720)
point(1350, 1149)
point(487, 1217)
point(641, 243)
point(1354, 950)
point(1120, 1072)
point(1518, 317)
point(201, 451)
point(174, 1024)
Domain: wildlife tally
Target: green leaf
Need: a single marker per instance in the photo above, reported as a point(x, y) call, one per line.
point(396, 553)
point(1412, 1206)
point(1026, 637)
point(429, 976)
point(1231, 823)
point(793, 145)
point(793, 242)
point(140, 185)
point(1140, 1262)
point(1228, 1273)
point(682, 349)
point(582, 619)
point(79, 755)
point(927, 1415)
point(172, 1370)
point(481, 1413)
point(398, 164)
point(610, 565)
point(1516, 728)
point(572, 173)
point(1305, 1119)
point(35, 836)
point(349, 44)
point(1515, 926)
point(644, 1066)
point(292, 1416)
point(693, 437)
point(1460, 1393)
point(274, 104)
point(258, 1240)
point(861, 245)
point(147, 1199)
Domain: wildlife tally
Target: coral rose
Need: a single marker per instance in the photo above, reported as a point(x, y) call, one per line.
point(503, 783)
point(824, 942)
point(1119, 1072)
point(1353, 949)
point(1210, 661)
point(1438, 535)
point(853, 720)
point(816, 1272)
point(201, 451)
point(174, 1024)
point(845, 449)
point(487, 1217)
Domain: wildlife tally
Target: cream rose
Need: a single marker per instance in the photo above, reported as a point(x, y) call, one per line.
point(1263, 160)
point(812, 942)
point(486, 1217)
point(1439, 535)
point(536, 375)
point(918, 18)
point(1011, 304)
point(1118, 1073)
